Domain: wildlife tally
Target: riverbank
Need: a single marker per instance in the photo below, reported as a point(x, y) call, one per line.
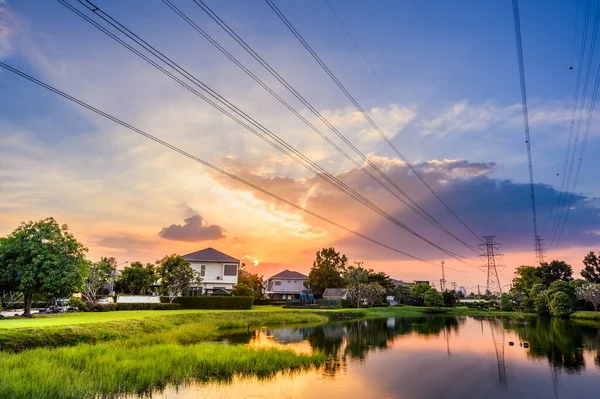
point(586, 315)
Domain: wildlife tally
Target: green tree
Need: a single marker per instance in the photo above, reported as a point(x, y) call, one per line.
point(137, 279)
point(507, 303)
point(242, 289)
point(42, 258)
point(326, 271)
point(403, 294)
point(561, 286)
point(433, 299)
point(450, 298)
point(365, 294)
point(383, 279)
point(591, 271)
point(555, 270)
point(99, 276)
point(176, 275)
point(538, 298)
point(561, 305)
point(418, 293)
point(525, 278)
point(252, 280)
point(355, 275)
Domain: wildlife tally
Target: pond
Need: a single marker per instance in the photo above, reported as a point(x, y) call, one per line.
point(428, 357)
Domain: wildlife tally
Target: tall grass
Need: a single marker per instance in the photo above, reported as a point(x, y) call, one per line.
point(114, 369)
point(586, 315)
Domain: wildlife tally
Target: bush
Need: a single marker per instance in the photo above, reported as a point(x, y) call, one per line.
point(450, 298)
point(262, 301)
point(561, 305)
point(145, 306)
point(348, 304)
point(215, 302)
point(242, 289)
point(278, 302)
point(506, 303)
point(77, 303)
point(433, 299)
point(109, 307)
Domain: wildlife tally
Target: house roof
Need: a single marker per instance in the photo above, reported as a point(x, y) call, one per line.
point(334, 292)
point(399, 282)
point(289, 274)
point(209, 255)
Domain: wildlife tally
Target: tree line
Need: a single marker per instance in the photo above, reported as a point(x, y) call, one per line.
point(43, 260)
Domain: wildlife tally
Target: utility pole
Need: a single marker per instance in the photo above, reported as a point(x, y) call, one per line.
point(358, 263)
point(443, 279)
point(490, 255)
point(454, 285)
point(478, 292)
point(538, 244)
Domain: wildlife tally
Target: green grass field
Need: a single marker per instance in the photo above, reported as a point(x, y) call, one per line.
point(586, 315)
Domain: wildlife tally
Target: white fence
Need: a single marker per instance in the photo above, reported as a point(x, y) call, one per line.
point(137, 299)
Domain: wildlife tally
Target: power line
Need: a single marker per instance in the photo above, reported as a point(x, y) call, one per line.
point(363, 112)
point(203, 162)
point(413, 205)
point(364, 57)
point(256, 128)
point(517, 23)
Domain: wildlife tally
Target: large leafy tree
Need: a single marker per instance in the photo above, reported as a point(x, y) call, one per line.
point(525, 278)
point(42, 258)
point(589, 292)
point(433, 299)
point(137, 278)
point(99, 276)
point(555, 270)
point(327, 270)
point(251, 280)
point(591, 271)
point(176, 275)
point(418, 293)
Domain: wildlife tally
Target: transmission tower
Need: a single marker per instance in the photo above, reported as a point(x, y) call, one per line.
point(443, 279)
point(490, 255)
point(539, 249)
point(499, 348)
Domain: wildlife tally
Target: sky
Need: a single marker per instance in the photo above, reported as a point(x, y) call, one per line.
point(442, 83)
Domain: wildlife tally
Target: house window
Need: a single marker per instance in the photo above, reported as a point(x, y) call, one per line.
point(202, 270)
point(277, 282)
point(230, 270)
point(194, 291)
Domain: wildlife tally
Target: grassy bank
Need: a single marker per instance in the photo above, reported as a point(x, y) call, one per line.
point(586, 315)
point(116, 368)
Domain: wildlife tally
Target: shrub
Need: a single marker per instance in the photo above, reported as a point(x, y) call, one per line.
point(506, 303)
point(561, 305)
point(278, 302)
point(262, 301)
point(348, 304)
point(109, 307)
point(215, 302)
point(242, 289)
point(77, 303)
point(433, 299)
point(450, 298)
point(146, 306)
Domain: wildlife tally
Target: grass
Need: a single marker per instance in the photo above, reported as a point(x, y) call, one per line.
point(111, 369)
point(586, 315)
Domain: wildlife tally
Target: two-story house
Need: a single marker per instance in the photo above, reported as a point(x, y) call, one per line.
point(218, 271)
point(285, 285)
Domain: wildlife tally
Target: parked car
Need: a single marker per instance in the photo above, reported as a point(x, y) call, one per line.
point(105, 301)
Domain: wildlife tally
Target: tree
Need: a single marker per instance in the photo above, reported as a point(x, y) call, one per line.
point(99, 276)
point(450, 298)
point(589, 292)
point(418, 293)
point(176, 275)
point(242, 289)
point(326, 271)
point(561, 286)
point(136, 278)
point(383, 279)
point(355, 275)
point(561, 305)
point(525, 278)
point(591, 271)
point(365, 294)
point(555, 270)
point(42, 258)
point(538, 299)
point(506, 303)
point(403, 294)
point(252, 280)
point(433, 299)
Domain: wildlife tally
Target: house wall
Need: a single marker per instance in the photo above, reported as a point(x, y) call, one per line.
point(293, 285)
point(214, 275)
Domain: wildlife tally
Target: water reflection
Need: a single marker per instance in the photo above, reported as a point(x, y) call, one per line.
point(450, 357)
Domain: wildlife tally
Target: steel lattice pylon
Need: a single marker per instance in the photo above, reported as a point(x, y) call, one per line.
point(490, 255)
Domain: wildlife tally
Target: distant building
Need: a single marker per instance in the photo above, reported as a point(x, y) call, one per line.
point(400, 282)
point(463, 290)
point(335, 293)
point(219, 271)
point(285, 285)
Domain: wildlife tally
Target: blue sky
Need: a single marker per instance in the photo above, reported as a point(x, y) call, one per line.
point(450, 67)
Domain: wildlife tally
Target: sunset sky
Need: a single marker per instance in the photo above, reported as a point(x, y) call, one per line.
point(450, 102)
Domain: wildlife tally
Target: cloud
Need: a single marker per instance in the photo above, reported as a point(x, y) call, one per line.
point(195, 229)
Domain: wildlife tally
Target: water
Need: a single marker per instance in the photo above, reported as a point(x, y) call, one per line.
point(430, 357)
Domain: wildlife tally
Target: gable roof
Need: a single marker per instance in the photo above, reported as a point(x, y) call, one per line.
point(334, 292)
point(289, 274)
point(209, 255)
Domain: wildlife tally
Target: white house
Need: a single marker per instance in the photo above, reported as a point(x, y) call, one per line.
point(285, 285)
point(218, 271)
